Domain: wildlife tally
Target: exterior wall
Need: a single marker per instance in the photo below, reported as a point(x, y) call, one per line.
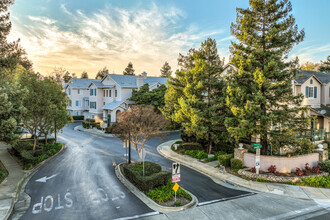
point(125, 94)
point(311, 101)
point(109, 99)
point(99, 102)
point(77, 97)
point(283, 164)
point(326, 94)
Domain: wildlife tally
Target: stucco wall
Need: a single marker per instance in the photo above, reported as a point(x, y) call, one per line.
point(283, 164)
point(313, 102)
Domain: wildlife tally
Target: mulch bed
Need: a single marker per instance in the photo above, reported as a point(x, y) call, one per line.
point(184, 201)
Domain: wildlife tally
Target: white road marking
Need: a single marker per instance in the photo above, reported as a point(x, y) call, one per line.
point(224, 199)
point(139, 216)
point(45, 178)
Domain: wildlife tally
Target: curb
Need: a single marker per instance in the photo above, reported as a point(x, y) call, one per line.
point(80, 128)
point(149, 202)
point(27, 176)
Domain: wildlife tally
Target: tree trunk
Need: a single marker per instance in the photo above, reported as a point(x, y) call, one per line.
point(210, 144)
point(45, 138)
point(34, 142)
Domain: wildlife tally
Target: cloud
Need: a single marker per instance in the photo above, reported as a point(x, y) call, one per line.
point(110, 37)
point(309, 53)
point(45, 20)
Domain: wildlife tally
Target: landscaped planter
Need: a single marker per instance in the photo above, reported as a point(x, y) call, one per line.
point(273, 178)
point(283, 164)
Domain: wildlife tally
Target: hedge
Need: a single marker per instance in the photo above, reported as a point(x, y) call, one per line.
point(198, 154)
point(325, 166)
point(78, 117)
point(152, 177)
point(191, 146)
point(236, 164)
point(224, 160)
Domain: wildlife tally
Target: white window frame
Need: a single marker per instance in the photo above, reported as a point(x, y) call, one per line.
point(78, 103)
point(310, 92)
point(79, 92)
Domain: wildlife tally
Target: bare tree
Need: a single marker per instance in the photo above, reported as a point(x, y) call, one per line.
point(139, 124)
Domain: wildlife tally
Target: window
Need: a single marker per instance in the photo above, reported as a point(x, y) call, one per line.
point(78, 103)
point(116, 93)
point(91, 92)
point(95, 92)
point(79, 91)
point(78, 113)
point(104, 93)
point(69, 91)
point(311, 92)
point(103, 103)
point(92, 105)
point(311, 82)
point(109, 93)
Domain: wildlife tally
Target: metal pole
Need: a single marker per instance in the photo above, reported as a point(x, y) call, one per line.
point(143, 167)
point(55, 132)
point(175, 197)
point(129, 150)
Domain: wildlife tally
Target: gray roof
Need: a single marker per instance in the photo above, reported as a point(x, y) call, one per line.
point(323, 110)
point(82, 83)
point(304, 75)
point(130, 81)
point(112, 105)
point(100, 85)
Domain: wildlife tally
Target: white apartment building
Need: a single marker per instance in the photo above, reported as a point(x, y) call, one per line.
point(104, 99)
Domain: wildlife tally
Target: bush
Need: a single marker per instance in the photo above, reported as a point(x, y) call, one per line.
point(262, 180)
point(166, 193)
point(304, 146)
point(325, 165)
point(253, 169)
point(78, 117)
point(319, 181)
point(28, 166)
point(1, 175)
point(196, 154)
point(41, 158)
point(236, 164)
point(272, 169)
point(224, 160)
point(27, 157)
point(299, 172)
point(191, 146)
point(152, 177)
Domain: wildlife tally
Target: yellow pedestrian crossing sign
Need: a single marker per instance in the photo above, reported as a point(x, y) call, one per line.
point(176, 187)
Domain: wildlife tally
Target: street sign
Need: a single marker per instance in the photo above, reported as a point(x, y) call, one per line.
point(175, 168)
point(176, 178)
point(257, 160)
point(256, 146)
point(176, 187)
point(142, 154)
point(257, 164)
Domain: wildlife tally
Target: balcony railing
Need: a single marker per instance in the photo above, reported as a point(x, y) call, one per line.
point(313, 135)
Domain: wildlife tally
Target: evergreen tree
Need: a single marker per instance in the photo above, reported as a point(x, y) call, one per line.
point(260, 92)
point(325, 65)
point(165, 71)
point(194, 96)
point(84, 75)
point(67, 77)
point(11, 53)
point(129, 69)
point(102, 73)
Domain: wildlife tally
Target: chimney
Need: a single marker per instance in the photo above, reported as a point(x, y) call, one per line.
point(139, 81)
point(144, 75)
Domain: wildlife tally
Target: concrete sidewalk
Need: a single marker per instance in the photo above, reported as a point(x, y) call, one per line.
point(9, 188)
point(301, 192)
point(93, 131)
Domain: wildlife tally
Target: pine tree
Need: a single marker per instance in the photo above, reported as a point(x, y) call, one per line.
point(193, 98)
point(84, 75)
point(129, 69)
point(102, 73)
point(325, 65)
point(260, 91)
point(67, 77)
point(11, 54)
point(165, 71)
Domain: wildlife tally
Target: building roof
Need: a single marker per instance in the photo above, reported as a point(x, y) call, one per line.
point(154, 80)
point(130, 81)
point(81, 83)
point(112, 105)
point(323, 110)
point(100, 85)
point(304, 75)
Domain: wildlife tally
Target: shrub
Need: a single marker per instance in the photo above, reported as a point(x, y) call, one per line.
point(191, 146)
point(272, 169)
point(304, 146)
point(28, 166)
point(196, 154)
point(262, 180)
point(86, 124)
point(1, 175)
point(27, 156)
point(40, 158)
point(277, 173)
point(299, 172)
point(224, 160)
point(319, 181)
point(216, 155)
point(325, 165)
point(165, 193)
point(253, 170)
point(78, 117)
point(316, 169)
point(236, 164)
point(149, 168)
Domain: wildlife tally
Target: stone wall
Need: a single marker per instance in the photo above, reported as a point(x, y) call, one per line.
point(283, 164)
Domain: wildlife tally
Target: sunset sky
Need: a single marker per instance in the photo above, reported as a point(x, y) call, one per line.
point(82, 35)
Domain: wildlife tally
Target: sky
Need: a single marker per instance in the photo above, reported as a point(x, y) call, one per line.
point(84, 35)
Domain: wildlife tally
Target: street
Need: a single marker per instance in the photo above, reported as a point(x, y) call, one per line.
point(81, 183)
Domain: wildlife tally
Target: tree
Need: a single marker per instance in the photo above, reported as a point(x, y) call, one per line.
point(84, 75)
point(310, 66)
point(11, 53)
point(325, 65)
point(74, 76)
point(67, 77)
point(102, 73)
point(165, 71)
point(154, 97)
point(260, 91)
point(194, 96)
point(139, 124)
point(58, 74)
point(11, 110)
point(129, 69)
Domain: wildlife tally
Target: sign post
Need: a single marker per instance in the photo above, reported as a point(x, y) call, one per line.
point(176, 177)
point(143, 154)
point(257, 147)
point(175, 188)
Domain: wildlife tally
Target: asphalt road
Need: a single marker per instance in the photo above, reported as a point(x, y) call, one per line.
point(81, 182)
